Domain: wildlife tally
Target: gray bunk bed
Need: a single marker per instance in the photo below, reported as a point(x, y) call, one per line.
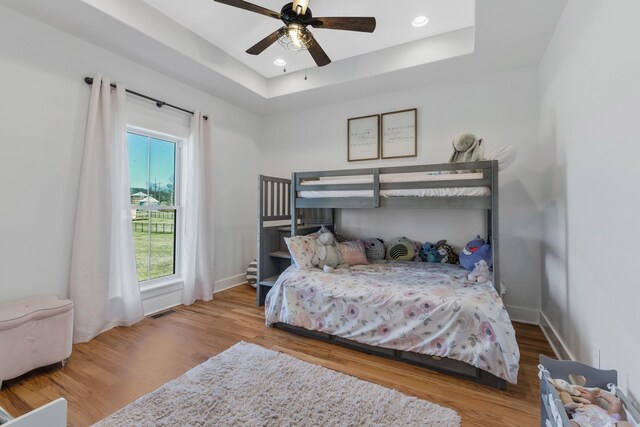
point(372, 191)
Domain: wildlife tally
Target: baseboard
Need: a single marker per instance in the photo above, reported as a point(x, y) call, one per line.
point(524, 314)
point(229, 282)
point(165, 297)
point(558, 346)
point(161, 298)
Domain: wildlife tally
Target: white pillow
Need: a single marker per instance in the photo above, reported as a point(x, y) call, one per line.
point(302, 250)
point(505, 156)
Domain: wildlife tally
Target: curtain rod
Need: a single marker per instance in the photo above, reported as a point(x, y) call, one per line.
point(159, 103)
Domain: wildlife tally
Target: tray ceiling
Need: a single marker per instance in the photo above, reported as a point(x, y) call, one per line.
point(207, 50)
point(234, 30)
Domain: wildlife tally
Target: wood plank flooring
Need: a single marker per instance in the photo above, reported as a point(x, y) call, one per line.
point(125, 363)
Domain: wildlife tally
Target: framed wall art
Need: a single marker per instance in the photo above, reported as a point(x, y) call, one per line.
point(363, 138)
point(399, 134)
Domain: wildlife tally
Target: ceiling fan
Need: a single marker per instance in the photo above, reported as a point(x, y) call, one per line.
point(295, 35)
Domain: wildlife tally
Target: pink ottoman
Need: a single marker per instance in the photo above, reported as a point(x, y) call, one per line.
point(34, 332)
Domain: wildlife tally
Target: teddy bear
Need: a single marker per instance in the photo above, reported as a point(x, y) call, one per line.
point(327, 256)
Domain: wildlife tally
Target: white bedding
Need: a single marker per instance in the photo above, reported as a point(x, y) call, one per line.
point(392, 178)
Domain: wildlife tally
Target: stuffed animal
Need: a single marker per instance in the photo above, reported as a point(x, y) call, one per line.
point(400, 249)
point(466, 148)
point(476, 250)
point(429, 253)
point(562, 385)
point(374, 249)
point(417, 248)
point(481, 273)
point(602, 406)
point(446, 252)
point(327, 256)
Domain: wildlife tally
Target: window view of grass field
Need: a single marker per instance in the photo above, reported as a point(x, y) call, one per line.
point(153, 212)
point(154, 242)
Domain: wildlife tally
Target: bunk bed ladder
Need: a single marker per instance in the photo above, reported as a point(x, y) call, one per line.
point(276, 220)
point(273, 211)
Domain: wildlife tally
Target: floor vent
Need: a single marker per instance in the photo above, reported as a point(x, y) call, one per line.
point(162, 314)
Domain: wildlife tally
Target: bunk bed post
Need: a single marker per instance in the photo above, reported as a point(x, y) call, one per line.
point(376, 188)
point(494, 224)
point(292, 207)
point(259, 231)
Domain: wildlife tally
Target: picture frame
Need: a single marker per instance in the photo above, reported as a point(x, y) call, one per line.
point(399, 133)
point(363, 138)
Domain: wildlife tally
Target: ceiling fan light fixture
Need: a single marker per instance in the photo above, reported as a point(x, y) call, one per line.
point(420, 21)
point(295, 37)
point(279, 62)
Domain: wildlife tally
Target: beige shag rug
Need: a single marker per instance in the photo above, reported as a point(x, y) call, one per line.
point(248, 385)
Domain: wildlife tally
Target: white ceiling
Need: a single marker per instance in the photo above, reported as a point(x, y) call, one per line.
point(507, 34)
point(235, 30)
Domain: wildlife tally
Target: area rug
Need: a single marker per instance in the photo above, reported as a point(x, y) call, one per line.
point(248, 385)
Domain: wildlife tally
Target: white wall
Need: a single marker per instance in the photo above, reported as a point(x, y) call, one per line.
point(42, 122)
point(502, 109)
point(589, 94)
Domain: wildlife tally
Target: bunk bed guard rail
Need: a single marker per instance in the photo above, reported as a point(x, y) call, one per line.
point(488, 179)
point(375, 186)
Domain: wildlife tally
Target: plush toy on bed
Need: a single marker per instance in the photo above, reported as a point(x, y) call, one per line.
point(417, 248)
point(480, 273)
point(327, 256)
point(374, 248)
point(476, 250)
point(429, 253)
point(466, 148)
point(446, 252)
point(400, 249)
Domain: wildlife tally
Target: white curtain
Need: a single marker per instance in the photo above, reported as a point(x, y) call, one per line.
point(103, 279)
point(196, 219)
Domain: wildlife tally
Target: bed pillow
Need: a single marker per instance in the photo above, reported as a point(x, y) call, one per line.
point(302, 250)
point(353, 252)
point(322, 229)
point(505, 156)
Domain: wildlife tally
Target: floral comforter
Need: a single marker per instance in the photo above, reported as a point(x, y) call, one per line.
point(420, 307)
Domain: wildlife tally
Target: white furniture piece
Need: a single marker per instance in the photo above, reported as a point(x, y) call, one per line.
point(34, 332)
point(53, 414)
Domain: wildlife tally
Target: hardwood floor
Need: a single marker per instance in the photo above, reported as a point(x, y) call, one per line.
point(125, 363)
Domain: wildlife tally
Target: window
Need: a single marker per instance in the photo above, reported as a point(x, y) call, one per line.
point(153, 168)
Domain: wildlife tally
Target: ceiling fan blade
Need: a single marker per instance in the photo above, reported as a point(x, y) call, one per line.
point(250, 7)
point(365, 25)
point(318, 53)
point(260, 47)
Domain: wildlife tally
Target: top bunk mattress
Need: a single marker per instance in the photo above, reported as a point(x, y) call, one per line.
point(419, 307)
point(397, 178)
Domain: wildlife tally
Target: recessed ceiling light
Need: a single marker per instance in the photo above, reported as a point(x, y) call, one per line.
point(420, 21)
point(280, 62)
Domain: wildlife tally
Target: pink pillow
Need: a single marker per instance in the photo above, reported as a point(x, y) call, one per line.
point(353, 253)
